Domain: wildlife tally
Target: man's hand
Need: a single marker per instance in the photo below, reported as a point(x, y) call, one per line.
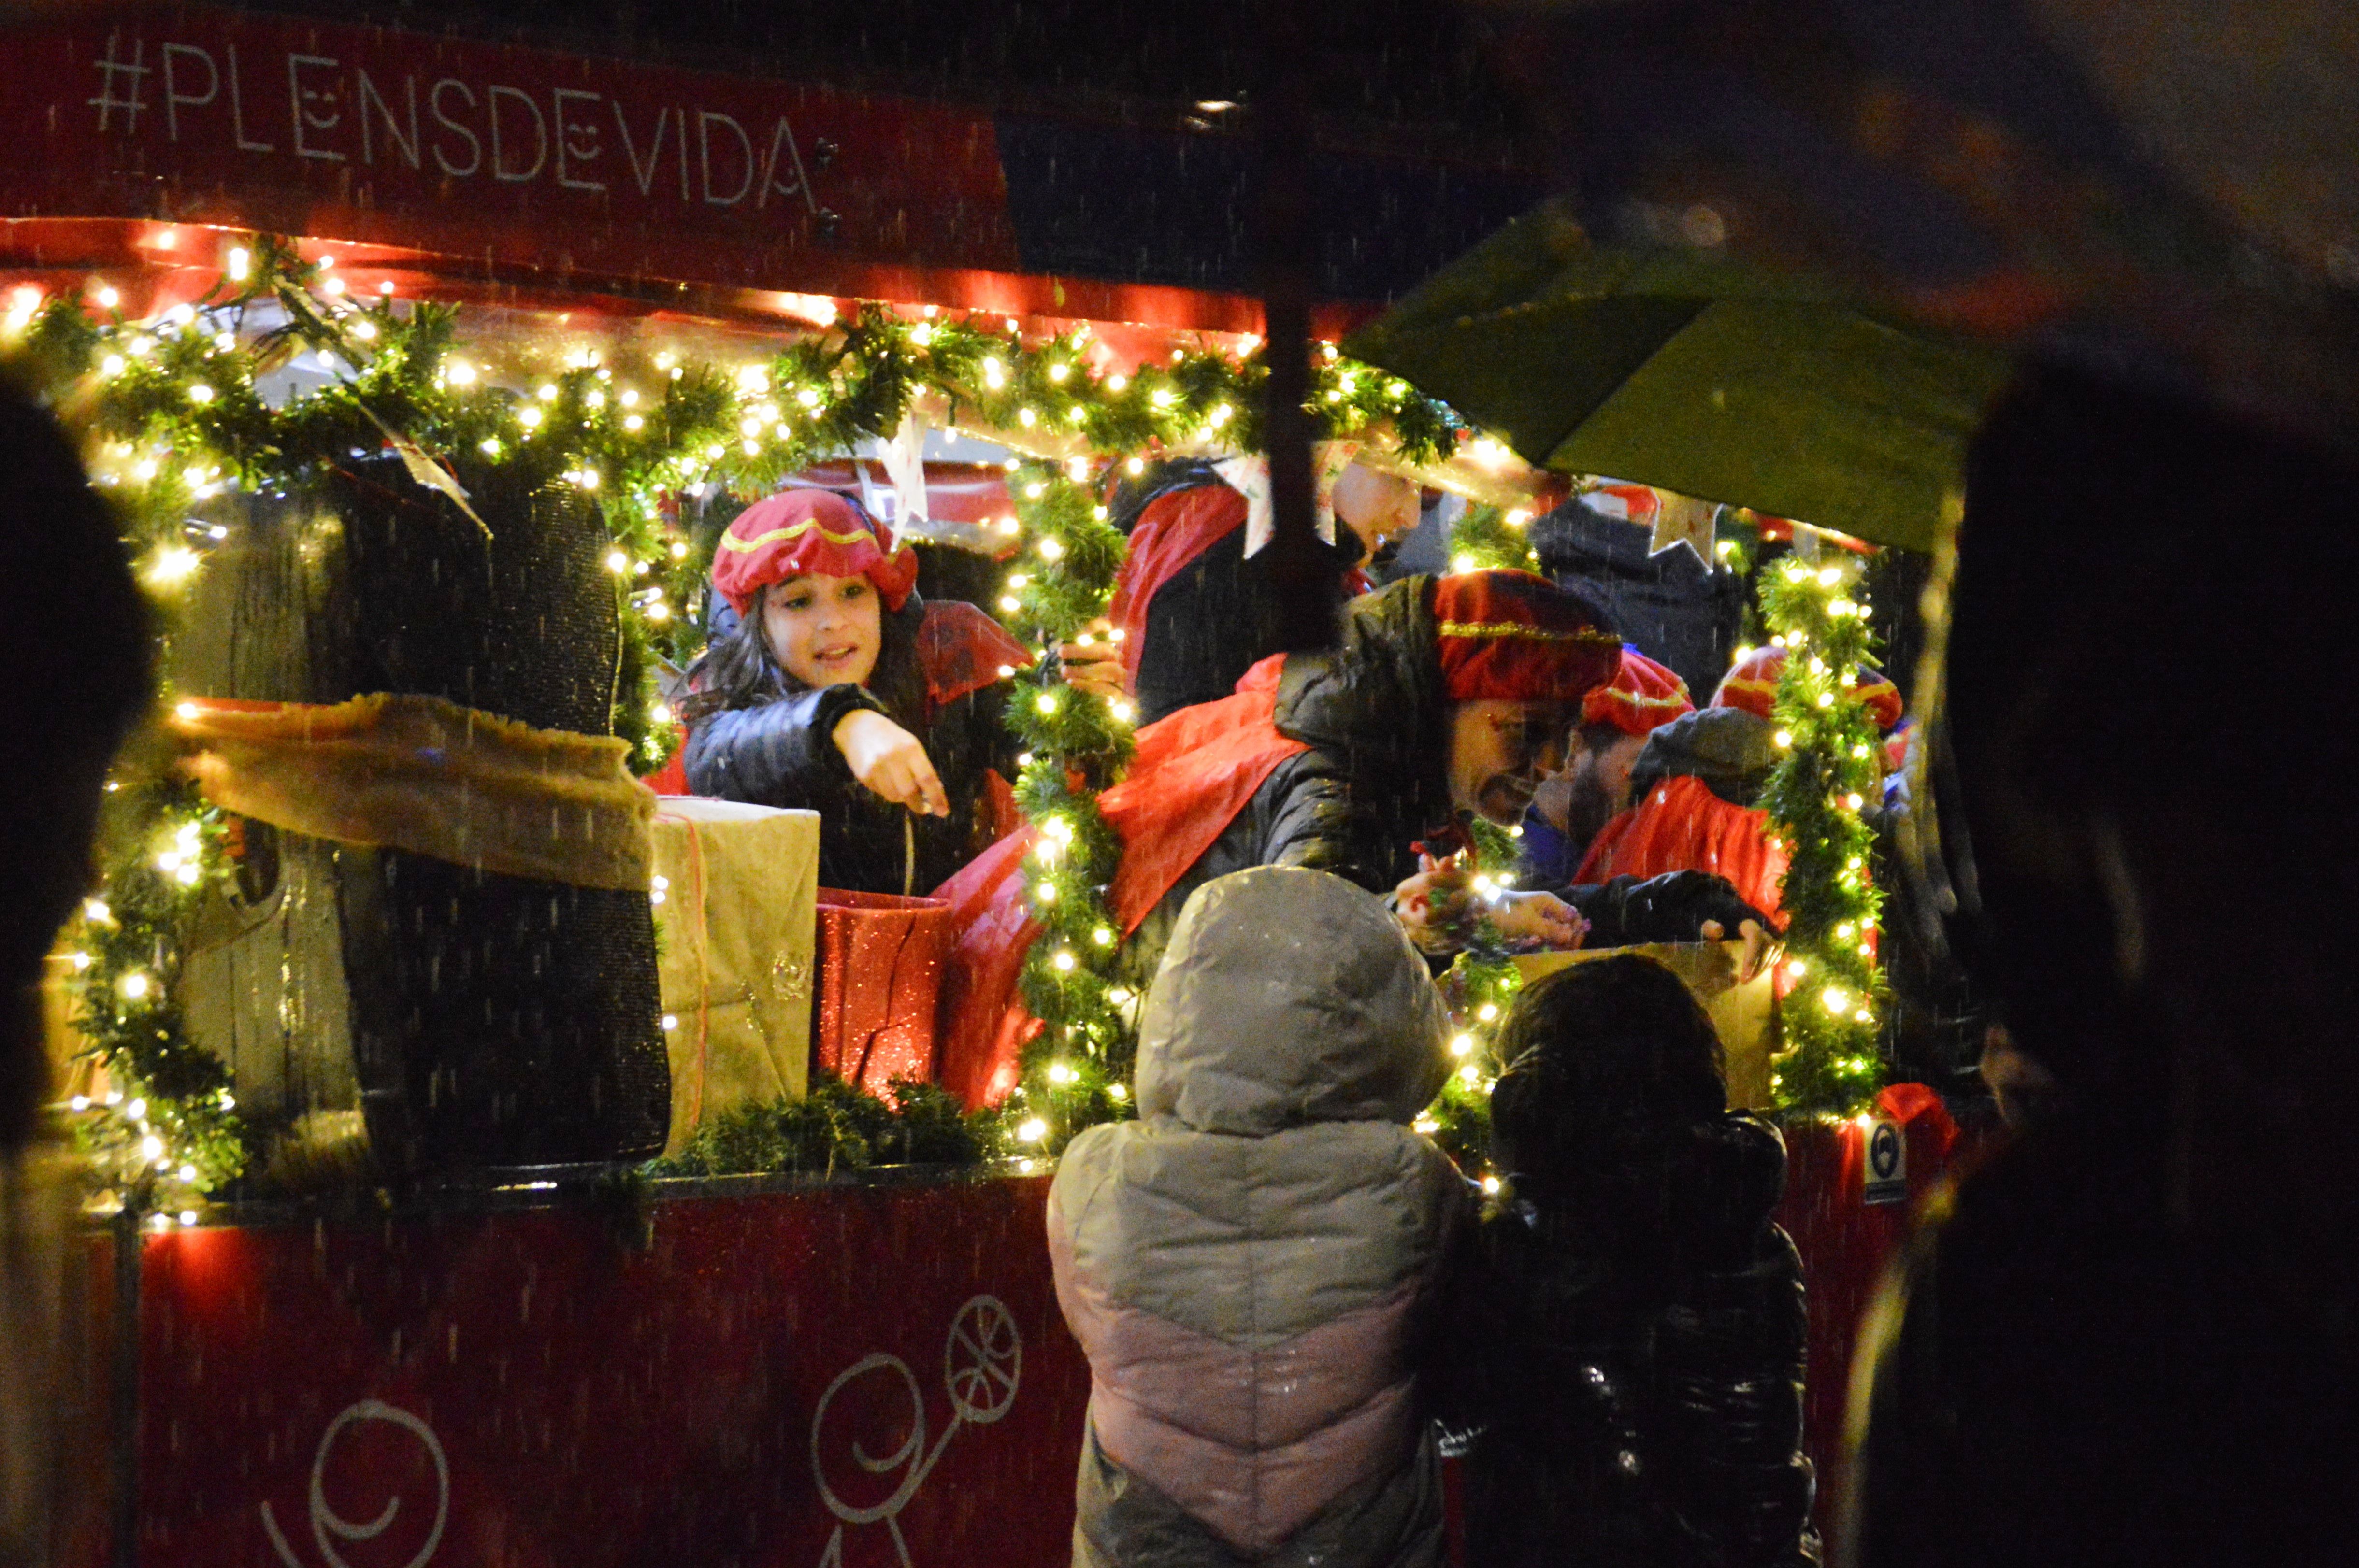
point(1431, 906)
point(1761, 946)
point(890, 763)
point(1539, 918)
point(1092, 660)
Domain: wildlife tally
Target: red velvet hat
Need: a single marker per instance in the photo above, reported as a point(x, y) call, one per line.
point(1751, 684)
point(1641, 696)
point(810, 530)
point(1518, 636)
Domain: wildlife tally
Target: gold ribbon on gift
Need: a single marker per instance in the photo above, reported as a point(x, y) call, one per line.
point(428, 777)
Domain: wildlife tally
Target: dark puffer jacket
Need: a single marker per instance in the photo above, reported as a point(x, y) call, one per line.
point(1375, 782)
point(1631, 1346)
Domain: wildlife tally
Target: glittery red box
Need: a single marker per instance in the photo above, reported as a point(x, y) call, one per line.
point(880, 969)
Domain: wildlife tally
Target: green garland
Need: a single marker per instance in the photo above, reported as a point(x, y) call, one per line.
point(1829, 769)
point(176, 418)
point(168, 1128)
point(1075, 1072)
point(834, 1128)
point(1487, 539)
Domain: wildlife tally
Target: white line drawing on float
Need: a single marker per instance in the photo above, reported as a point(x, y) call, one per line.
point(983, 1361)
point(326, 1521)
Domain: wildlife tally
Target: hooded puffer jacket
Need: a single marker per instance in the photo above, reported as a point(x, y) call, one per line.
point(1248, 1266)
point(1632, 1337)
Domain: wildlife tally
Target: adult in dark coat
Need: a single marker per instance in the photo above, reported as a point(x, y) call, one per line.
point(1684, 609)
point(840, 691)
point(2129, 1337)
point(75, 634)
point(1445, 696)
point(1195, 605)
point(1627, 1336)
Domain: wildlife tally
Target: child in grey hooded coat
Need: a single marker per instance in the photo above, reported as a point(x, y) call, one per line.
point(1249, 1265)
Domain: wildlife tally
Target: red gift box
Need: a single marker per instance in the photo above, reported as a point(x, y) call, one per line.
point(880, 970)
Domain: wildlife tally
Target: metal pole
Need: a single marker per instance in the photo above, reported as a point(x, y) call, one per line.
point(125, 1413)
point(1288, 247)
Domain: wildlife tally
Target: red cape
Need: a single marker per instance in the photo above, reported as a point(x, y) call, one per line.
point(961, 650)
point(1193, 772)
point(1681, 826)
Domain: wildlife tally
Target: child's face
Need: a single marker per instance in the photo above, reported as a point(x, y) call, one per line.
point(1498, 751)
point(826, 631)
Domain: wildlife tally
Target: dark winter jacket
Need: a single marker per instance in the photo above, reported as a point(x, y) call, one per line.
point(1375, 783)
point(1730, 749)
point(1674, 605)
point(1632, 1353)
point(782, 752)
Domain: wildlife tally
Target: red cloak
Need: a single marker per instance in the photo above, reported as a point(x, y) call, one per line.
point(1193, 772)
point(1681, 826)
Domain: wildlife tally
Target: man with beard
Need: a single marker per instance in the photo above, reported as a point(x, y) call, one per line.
point(1571, 806)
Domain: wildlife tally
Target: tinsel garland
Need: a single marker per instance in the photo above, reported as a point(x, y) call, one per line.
point(176, 417)
point(1829, 768)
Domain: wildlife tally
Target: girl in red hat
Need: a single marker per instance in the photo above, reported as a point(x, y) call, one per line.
point(840, 690)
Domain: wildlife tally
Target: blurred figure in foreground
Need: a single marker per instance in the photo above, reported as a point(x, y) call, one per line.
point(73, 639)
point(2130, 1338)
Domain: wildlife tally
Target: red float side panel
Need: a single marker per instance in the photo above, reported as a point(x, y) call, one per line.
point(853, 1375)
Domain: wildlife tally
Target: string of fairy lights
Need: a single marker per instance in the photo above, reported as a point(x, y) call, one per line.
point(187, 407)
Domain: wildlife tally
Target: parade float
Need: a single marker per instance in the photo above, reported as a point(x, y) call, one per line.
point(428, 367)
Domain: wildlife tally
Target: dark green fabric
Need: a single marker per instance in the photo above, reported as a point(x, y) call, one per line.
point(1685, 370)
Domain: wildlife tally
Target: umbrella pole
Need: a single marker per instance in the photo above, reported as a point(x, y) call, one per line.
point(1287, 247)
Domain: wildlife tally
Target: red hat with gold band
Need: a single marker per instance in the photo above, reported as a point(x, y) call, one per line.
point(1518, 636)
point(1642, 696)
point(1751, 684)
point(810, 530)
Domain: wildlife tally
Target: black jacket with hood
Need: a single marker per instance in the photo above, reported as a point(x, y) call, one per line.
point(1214, 618)
point(1630, 1341)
